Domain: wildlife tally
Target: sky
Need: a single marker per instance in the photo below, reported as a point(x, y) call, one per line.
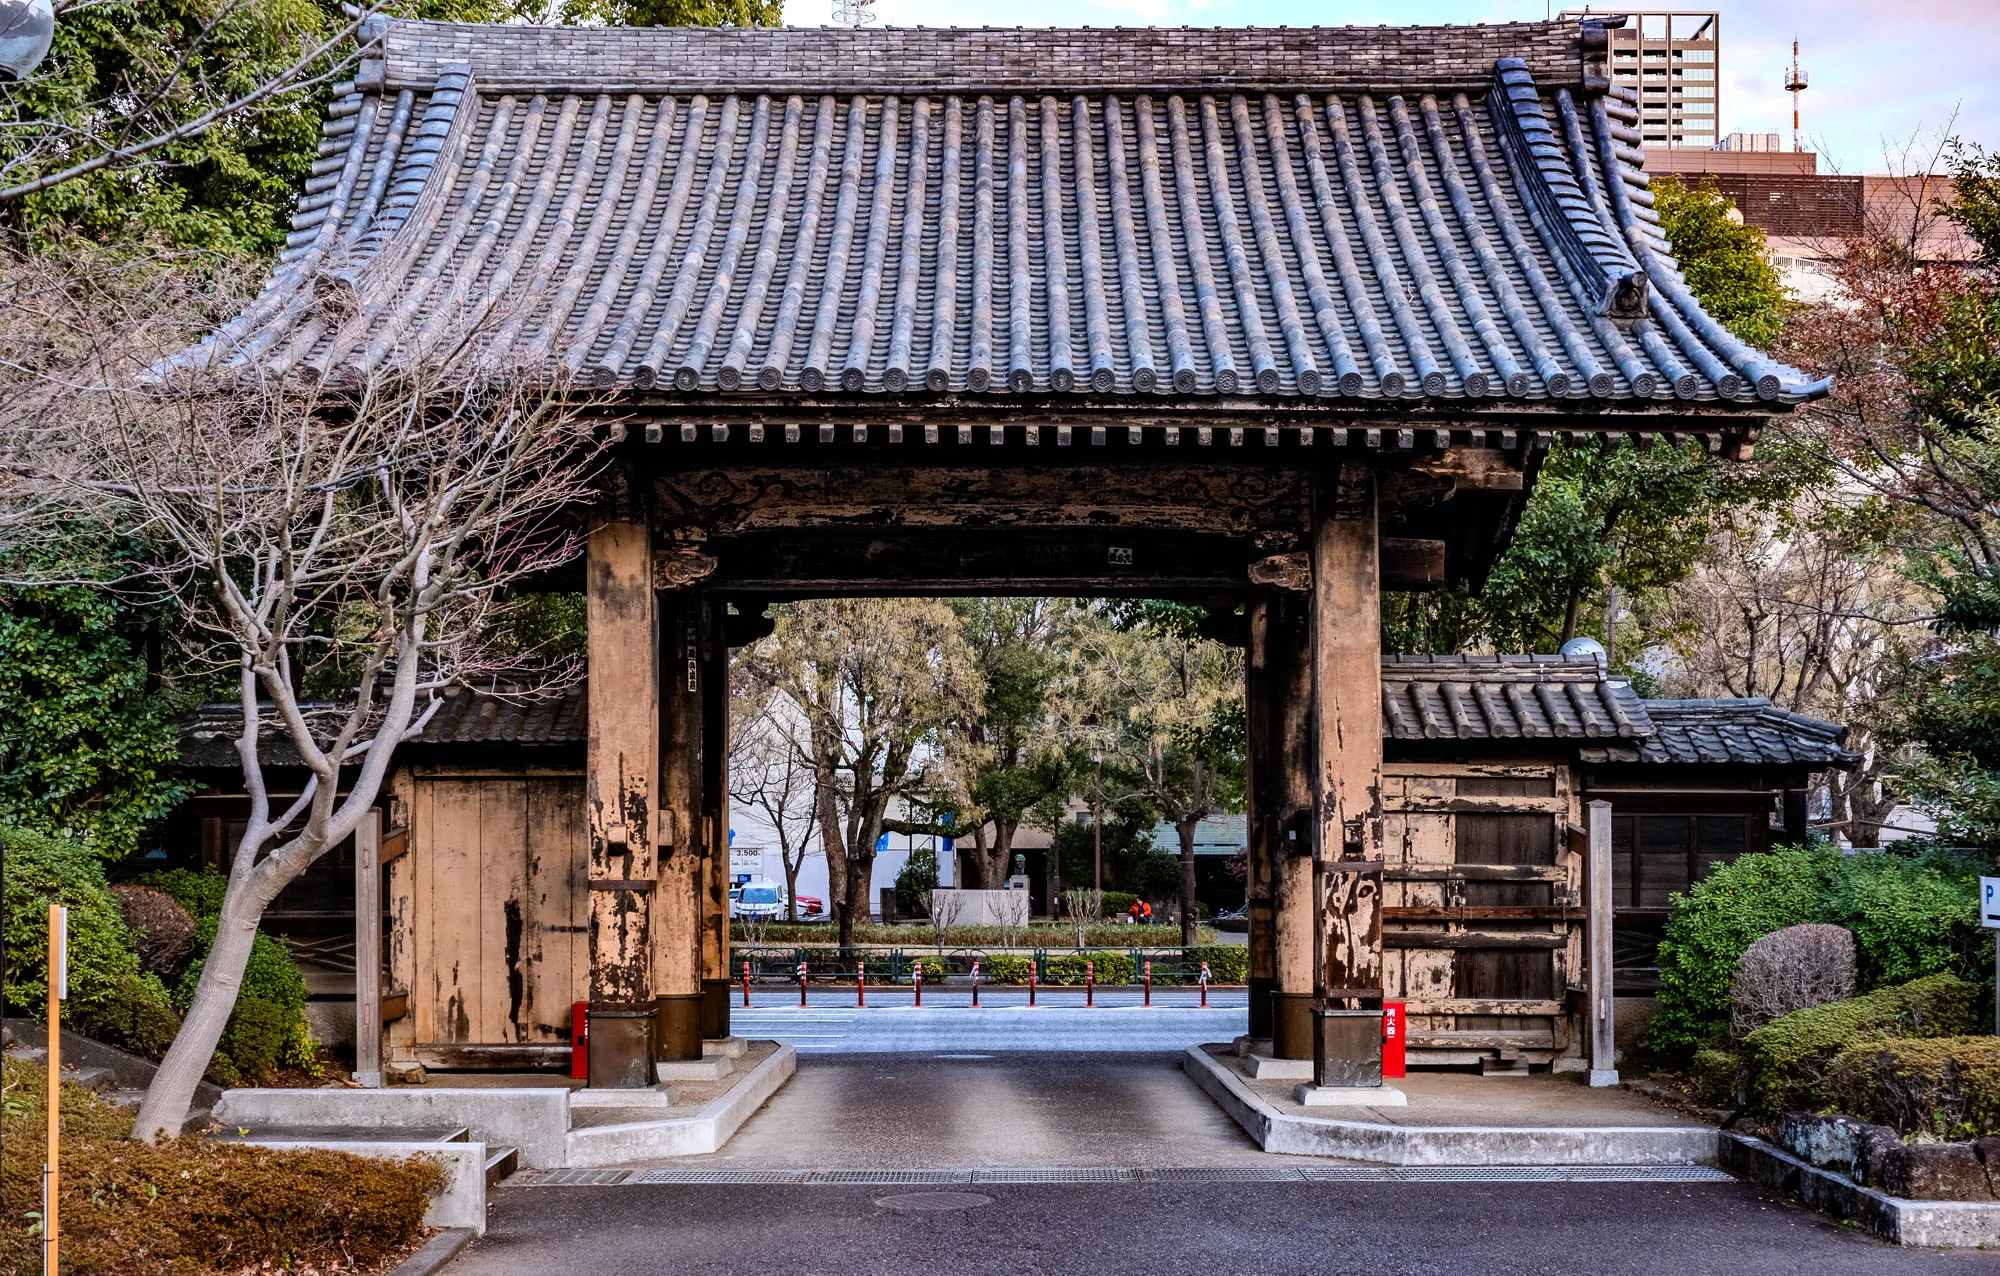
point(1889, 77)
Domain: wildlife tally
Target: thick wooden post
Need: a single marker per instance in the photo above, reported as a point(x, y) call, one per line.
point(1347, 735)
point(622, 759)
point(714, 677)
point(678, 913)
point(1294, 906)
point(1603, 1018)
point(1260, 826)
point(368, 950)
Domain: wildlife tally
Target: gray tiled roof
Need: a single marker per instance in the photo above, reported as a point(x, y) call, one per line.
point(1508, 698)
point(1747, 731)
point(1424, 698)
point(1328, 215)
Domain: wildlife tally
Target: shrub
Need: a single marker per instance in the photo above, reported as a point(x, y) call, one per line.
point(199, 890)
point(1116, 902)
point(1909, 915)
point(162, 929)
point(934, 969)
point(1791, 969)
point(1112, 968)
point(1944, 1086)
point(1227, 963)
point(1711, 926)
point(107, 992)
point(1717, 1074)
point(1005, 968)
point(1789, 1056)
point(195, 1206)
point(268, 1025)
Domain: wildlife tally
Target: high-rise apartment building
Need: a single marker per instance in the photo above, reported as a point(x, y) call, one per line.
point(1669, 59)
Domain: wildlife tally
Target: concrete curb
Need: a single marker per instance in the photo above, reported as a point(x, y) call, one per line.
point(705, 1131)
point(460, 1202)
point(532, 1119)
point(436, 1252)
point(1385, 1144)
point(1931, 1224)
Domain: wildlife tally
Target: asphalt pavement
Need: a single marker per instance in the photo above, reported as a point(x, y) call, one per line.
point(1131, 1115)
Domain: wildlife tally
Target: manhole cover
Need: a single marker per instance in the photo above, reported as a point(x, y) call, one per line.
point(927, 1201)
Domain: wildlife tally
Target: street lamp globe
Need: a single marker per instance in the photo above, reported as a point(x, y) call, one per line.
point(27, 29)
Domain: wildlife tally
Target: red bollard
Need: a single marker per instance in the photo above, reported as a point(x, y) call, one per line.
point(975, 985)
point(802, 985)
point(746, 985)
point(1204, 985)
point(917, 975)
point(1031, 981)
point(860, 983)
point(1090, 983)
point(1149, 984)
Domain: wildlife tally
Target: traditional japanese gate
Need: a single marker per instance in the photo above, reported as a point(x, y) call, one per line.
point(1276, 318)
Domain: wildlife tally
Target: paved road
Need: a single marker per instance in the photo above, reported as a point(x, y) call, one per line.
point(1199, 1229)
point(914, 1111)
point(946, 1023)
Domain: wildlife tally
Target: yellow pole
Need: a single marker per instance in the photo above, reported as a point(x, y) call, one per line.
point(51, 1184)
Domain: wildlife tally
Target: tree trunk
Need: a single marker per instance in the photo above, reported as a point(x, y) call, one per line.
point(834, 847)
point(1002, 862)
point(167, 1100)
point(791, 885)
point(1186, 828)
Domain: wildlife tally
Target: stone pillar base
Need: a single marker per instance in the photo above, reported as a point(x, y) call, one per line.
point(715, 1009)
point(1291, 1025)
point(679, 1018)
point(621, 1046)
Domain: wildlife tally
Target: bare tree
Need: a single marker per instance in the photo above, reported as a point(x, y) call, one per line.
point(359, 535)
point(1084, 907)
point(1791, 969)
point(770, 771)
point(943, 908)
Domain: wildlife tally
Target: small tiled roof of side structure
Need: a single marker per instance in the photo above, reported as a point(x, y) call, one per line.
point(1508, 698)
point(1337, 216)
point(1749, 732)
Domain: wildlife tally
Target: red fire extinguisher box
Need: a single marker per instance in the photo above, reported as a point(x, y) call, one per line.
point(579, 1042)
point(1394, 1024)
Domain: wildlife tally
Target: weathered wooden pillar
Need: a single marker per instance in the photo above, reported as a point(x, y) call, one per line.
point(1603, 1007)
point(1294, 905)
point(678, 911)
point(1260, 826)
point(368, 950)
point(1347, 735)
point(622, 760)
point(714, 679)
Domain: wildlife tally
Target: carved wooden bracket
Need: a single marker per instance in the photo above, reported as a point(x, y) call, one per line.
point(681, 566)
point(1283, 571)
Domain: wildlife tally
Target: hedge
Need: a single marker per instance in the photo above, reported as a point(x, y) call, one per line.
point(1227, 963)
point(1948, 1087)
point(1112, 968)
point(1789, 1057)
point(193, 1206)
point(110, 997)
point(1909, 916)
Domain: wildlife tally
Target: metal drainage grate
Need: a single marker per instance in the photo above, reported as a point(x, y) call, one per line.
point(718, 1176)
point(1056, 1176)
point(891, 1177)
point(576, 1178)
point(1517, 1174)
point(1226, 1174)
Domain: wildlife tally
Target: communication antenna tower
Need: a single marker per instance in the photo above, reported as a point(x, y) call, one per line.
point(1795, 84)
point(854, 13)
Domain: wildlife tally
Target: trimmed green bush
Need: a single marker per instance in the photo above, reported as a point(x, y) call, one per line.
point(268, 1028)
point(199, 890)
point(1068, 969)
point(1227, 963)
point(1716, 1071)
point(1789, 1056)
point(1005, 968)
point(1115, 904)
point(1910, 916)
point(109, 997)
point(1943, 1086)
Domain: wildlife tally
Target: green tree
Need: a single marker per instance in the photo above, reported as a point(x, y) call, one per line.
point(1011, 766)
point(87, 745)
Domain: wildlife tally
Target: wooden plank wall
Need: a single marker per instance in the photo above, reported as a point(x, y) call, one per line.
point(1484, 924)
point(487, 915)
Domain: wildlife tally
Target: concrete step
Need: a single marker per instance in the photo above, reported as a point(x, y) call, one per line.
point(347, 1133)
point(500, 1162)
point(95, 1080)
